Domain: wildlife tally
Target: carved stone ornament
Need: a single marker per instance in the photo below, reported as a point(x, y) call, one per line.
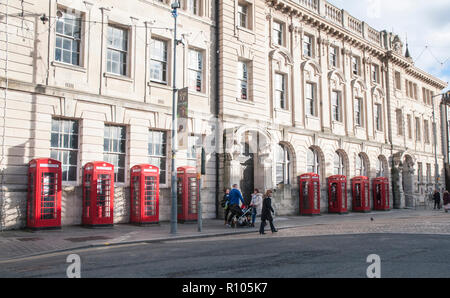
point(397, 45)
point(236, 150)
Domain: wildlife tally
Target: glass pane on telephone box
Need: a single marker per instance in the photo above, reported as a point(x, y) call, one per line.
point(150, 196)
point(48, 195)
point(87, 196)
point(136, 195)
point(358, 195)
point(103, 195)
point(180, 195)
point(306, 204)
point(31, 196)
point(367, 195)
point(316, 194)
point(193, 195)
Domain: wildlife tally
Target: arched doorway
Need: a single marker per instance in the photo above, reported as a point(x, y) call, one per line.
point(250, 163)
point(408, 181)
point(247, 161)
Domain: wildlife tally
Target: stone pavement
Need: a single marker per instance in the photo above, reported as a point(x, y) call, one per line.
point(22, 243)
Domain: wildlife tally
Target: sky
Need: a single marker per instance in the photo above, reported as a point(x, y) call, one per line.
point(425, 23)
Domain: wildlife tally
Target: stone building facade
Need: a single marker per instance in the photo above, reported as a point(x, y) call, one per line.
point(94, 83)
point(326, 93)
point(277, 88)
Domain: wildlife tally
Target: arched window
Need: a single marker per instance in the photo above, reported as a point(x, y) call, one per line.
point(361, 167)
point(283, 165)
point(381, 169)
point(339, 168)
point(312, 162)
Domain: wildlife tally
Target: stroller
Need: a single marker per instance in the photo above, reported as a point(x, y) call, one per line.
point(241, 219)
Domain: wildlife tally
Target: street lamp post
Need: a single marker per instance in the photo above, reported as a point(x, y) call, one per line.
point(173, 222)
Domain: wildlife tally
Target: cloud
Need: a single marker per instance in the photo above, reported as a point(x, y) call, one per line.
point(426, 24)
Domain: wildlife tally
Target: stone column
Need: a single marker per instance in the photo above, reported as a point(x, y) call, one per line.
point(266, 163)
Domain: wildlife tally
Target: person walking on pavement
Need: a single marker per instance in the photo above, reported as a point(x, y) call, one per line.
point(437, 199)
point(235, 198)
point(446, 201)
point(226, 204)
point(256, 203)
point(266, 213)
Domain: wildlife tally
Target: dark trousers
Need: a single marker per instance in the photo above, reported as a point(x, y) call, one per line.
point(234, 210)
point(437, 204)
point(263, 224)
point(227, 212)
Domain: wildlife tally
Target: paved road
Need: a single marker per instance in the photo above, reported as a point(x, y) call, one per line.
point(283, 255)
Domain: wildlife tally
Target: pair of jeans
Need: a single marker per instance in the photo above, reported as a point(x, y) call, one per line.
point(254, 212)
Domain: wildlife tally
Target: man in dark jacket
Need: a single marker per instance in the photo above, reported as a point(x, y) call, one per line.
point(437, 199)
point(266, 213)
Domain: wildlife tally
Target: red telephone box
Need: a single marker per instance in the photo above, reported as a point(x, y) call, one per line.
point(381, 194)
point(187, 192)
point(144, 194)
point(309, 194)
point(44, 194)
point(361, 195)
point(337, 194)
point(98, 194)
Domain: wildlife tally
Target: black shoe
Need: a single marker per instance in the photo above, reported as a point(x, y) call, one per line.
point(262, 233)
point(274, 231)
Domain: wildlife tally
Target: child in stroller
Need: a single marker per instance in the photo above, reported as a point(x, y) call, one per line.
point(241, 217)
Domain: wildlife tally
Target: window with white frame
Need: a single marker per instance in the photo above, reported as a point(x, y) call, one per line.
point(375, 73)
point(243, 14)
point(398, 80)
point(336, 106)
point(355, 65)
point(399, 117)
point(307, 45)
point(195, 69)
point(338, 164)
point(408, 120)
point(419, 172)
point(280, 90)
point(359, 112)
point(428, 173)
point(278, 33)
point(418, 130)
point(158, 61)
point(64, 146)
point(114, 149)
point(361, 167)
point(333, 56)
point(193, 6)
point(243, 80)
point(426, 132)
point(283, 164)
point(310, 95)
point(117, 50)
point(157, 152)
point(312, 161)
point(68, 38)
point(378, 114)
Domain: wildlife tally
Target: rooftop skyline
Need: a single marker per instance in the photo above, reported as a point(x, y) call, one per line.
point(425, 25)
